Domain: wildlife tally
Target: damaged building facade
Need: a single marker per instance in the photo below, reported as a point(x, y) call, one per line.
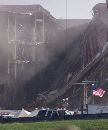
point(86, 61)
point(26, 33)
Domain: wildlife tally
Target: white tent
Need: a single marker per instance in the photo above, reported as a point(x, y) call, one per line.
point(34, 113)
point(67, 112)
point(22, 113)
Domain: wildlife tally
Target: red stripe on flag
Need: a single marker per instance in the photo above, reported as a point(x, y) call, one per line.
point(99, 92)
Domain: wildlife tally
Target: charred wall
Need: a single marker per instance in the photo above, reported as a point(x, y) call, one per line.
point(65, 65)
point(24, 41)
point(86, 59)
point(93, 62)
point(36, 57)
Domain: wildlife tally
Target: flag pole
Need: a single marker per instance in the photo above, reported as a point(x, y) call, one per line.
point(85, 94)
point(86, 97)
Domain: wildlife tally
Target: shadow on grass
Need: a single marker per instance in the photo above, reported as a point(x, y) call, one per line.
point(97, 128)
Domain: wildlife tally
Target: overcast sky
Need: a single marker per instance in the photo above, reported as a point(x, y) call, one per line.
point(76, 9)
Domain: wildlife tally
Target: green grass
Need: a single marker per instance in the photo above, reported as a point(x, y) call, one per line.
point(53, 125)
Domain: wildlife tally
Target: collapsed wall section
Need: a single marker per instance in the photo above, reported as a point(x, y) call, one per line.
point(91, 60)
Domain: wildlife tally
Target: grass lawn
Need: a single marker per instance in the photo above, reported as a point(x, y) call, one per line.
point(53, 125)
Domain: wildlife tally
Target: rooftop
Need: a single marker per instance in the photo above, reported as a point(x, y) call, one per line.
point(22, 8)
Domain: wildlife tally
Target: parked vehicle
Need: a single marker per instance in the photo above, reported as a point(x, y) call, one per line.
point(51, 114)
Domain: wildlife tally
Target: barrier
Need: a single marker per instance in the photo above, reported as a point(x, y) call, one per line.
point(66, 117)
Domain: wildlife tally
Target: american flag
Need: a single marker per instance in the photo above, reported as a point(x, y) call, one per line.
point(98, 91)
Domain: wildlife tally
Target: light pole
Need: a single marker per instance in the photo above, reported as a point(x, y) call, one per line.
point(66, 39)
point(85, 101)
point(107, 3)
point(85, 91)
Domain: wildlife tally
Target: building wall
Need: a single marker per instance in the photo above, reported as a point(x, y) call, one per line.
point(23, 48)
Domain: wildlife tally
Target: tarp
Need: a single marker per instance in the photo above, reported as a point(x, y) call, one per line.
point(22, 113)
point(34, 113)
